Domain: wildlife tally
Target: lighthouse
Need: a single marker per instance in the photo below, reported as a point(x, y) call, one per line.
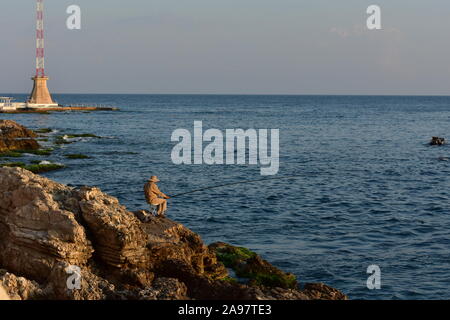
point(40, 96)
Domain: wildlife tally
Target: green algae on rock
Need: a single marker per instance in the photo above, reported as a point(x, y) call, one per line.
point(46, 167)
point(43, 130)
point(34, 167)
point(247, 264)
point(64, 139)
point(13, 164)
point(20, 153)
point(11, 154)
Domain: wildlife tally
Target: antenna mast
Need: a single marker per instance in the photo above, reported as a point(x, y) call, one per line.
point(40, 58)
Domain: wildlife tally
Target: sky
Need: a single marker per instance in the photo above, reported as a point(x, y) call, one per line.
point(231, 47)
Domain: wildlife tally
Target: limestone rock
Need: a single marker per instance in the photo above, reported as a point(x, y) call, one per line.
point(36, 229)
point(13, 136)
point(3, 294)
point(62, 284)
point(165, 289)
point(46, 227)
point(265, 293)
point(168, 240)
point(57, 242)
point(119, 239)
point(320, 291)
point(19, 288)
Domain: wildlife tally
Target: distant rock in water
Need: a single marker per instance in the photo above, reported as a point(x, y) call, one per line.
point(13, 136)
point(58, 242)
point(436, 141)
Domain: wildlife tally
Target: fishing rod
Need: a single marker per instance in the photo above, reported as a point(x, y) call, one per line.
point(235, 183)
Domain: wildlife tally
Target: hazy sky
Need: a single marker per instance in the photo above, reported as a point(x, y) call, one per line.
point(231, 46)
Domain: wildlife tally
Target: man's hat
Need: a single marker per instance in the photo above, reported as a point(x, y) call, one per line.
point(153, 179)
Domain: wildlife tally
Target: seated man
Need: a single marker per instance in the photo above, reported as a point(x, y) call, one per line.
point(154, 196)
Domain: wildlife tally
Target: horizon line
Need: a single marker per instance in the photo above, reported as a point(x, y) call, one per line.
point(249, 94)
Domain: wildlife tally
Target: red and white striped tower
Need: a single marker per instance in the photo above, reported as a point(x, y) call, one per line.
point(40, 97)
point(40, 39)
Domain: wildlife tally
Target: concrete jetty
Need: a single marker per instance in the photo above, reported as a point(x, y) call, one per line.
point(8, 106)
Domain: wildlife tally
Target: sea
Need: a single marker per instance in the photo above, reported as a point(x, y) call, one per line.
point(358, 183)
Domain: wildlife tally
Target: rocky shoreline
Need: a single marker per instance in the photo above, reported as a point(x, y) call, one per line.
point(47, 228)
point(63, 243)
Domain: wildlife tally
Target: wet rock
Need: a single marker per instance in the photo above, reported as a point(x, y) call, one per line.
point(13, 136)
point(268, 282)
point(248, 264)
point(437, 141)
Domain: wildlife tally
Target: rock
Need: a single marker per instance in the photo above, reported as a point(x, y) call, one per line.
point(38, 228)
point(58, 242)
point(12, 130)
point(120, 240)
point(46, 227)
point(13, 136)
point(165, 289)
point(143, 215)
point(320, 291)
point(3, 294)
point(264, 293)
point(19, 288)
point(201, 287)
point(271, 282)
point(91, 286)
point(436, 141)
point(248, 264)
point(168, 240)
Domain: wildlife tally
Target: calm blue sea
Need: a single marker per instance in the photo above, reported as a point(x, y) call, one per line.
point(371, 190)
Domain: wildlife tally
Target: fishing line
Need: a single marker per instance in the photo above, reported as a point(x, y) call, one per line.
point(235, 183)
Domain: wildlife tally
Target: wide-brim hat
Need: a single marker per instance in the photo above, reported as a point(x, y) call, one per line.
point(153, 179)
